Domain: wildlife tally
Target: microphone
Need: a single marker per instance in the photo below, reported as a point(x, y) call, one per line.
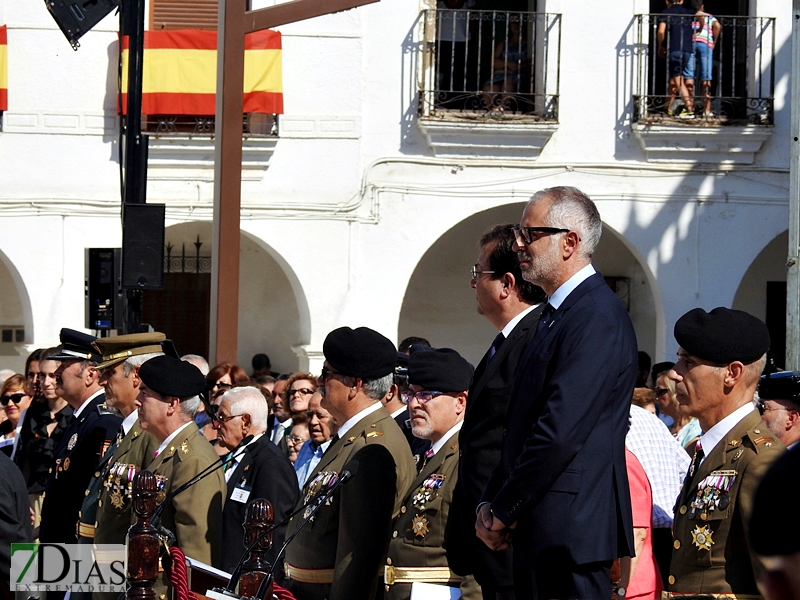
point(348, 473)
point(201, 475)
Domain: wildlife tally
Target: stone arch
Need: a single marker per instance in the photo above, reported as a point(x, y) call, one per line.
point(439, 303)
point(15, 311)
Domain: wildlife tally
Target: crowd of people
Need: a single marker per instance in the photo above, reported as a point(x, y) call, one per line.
point(562, 466)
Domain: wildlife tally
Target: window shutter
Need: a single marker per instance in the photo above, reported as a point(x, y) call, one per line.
point(184, 14)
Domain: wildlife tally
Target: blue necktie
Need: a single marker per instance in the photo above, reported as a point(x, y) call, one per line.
point(546, 318)
point(498, 341)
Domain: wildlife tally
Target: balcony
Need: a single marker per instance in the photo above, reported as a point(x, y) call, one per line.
point(488, 81)
point(729, 119)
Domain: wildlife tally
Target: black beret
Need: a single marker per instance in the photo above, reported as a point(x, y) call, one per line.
point(779, 485)
point(722, 335)
point(172, 377)
point(442, 370)
point(76, 345)
point(361, 352)
point(780, 386)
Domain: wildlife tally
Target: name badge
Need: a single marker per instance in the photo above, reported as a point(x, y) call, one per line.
point(240, 494)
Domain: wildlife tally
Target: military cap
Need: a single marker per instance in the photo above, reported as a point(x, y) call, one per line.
point(778, 486)
point(780, 386)
point(722, 335)
point(172, 377)
point(361, 352)
point(76, 345)
point(443, 370)
point(118, 348)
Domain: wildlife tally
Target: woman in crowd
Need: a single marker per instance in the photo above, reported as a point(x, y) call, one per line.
point(685, 429)
point(298, 435)
point(15, 400)
point(299, 389)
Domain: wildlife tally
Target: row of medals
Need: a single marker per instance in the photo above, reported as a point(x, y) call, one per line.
point(425, 494)
point(317, 487)
point(119, 484)
point(713, 493)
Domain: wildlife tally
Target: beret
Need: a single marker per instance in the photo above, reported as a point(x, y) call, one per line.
point(780, 386)
point(118, 348)
point(361, 352)
point(172, 377)
point(722, 335)
point(442, 370)
point(76, 345)
point(779, 484)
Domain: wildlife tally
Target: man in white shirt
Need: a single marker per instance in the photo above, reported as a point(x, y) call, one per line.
point(722, 354)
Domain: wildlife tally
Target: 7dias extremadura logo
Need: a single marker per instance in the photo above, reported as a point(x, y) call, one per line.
point(61, 567)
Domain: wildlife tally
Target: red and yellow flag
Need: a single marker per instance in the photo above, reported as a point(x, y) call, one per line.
point(180, 72)
point(4, 67)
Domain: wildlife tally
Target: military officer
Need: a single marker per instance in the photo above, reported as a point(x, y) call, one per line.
point(106, 511)
point(436, 398)
point(338, 555)
point(779, 404)
point(84, 442)
point(721, 356)
point(167, 402)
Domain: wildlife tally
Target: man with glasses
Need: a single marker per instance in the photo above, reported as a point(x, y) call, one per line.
point(560, 494)
point(321, 428)
point(338, 555)
point(513, 306)
point(255, 468)
point(779, 405)
point(437, 399)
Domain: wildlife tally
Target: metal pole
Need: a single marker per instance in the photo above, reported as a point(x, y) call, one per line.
point(793, 260)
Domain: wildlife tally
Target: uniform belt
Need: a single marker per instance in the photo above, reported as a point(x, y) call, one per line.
point(670, 595)
point(85, 530)
point(308, 575)
point(392, 575)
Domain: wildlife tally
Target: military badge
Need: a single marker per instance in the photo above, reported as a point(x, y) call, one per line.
point(419, 525)
point(161, 487)
point(701, 537)
point(428, 490)
point(185, 447)
point(66, 463)
point(712, 493)
point(72, 441)
point(318, 487)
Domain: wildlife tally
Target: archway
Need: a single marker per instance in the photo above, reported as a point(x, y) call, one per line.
point(269, 312)
point(762, 292)
point(439, 303)
point(16, 317)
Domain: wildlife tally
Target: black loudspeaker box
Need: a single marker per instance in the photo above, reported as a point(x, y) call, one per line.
point(142, 246)
point(76, 17)
point(105, 298)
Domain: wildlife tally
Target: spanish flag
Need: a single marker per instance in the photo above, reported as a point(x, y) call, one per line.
point(4, 67)
point(180, 73)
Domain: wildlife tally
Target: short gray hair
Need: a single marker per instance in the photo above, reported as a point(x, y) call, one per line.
point(571, 209)
point(137, 361)
point(378, 388)
point(198, 361)
point(189, 406)
point(247, 399)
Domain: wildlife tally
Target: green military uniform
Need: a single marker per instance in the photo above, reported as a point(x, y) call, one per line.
point(339, 554)
point(416, 551)
point(711, 554)
point(194, 515)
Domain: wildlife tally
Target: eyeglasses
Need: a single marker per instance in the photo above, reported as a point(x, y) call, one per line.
point(762, 408)
point(225, 419)
point(528, 234)
point(661, 391)
point(301, 391)
point(221, 385)
point(326, 372)
point(424, 396)
point(296, 439)
point(15, 398)
point(474, 272)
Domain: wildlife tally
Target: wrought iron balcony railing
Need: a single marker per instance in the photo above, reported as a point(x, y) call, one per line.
point(253, 125)
point(742, 64)
point(482, 63)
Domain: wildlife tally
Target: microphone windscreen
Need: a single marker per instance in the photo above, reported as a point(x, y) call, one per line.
point(350, 470)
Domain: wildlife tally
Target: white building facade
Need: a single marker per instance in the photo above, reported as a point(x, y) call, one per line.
point(366, 207)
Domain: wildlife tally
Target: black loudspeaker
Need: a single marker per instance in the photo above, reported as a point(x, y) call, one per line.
point(105, 299)
point(76, 17)
point(142, 246)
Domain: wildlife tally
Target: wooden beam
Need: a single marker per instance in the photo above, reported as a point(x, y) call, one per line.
point(297, 10)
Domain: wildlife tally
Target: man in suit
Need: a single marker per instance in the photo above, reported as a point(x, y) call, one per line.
point(512, 305)
point(84, 442)
point(255, 469)
point(106, 511)
point(169, 395)
point(560, 493)
point(722, 354)
point(15, 517)
point(437, 399)
point(338, 555)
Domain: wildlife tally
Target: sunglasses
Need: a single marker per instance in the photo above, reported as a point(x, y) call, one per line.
point(528, 234)
point(15, 398)
point(301, 391)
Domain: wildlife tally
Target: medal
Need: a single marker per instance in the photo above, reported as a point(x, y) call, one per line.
point(161, 486)
point(66, 463)
point(701, 537)
point(72, 441)
point(428, 490)
point(318, 487)
point(419, 525)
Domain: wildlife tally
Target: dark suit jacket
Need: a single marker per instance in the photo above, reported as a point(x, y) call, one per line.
point(269, 474)
point(75, 460)
point(15, 517)
point(480, 440)
point(562, 474)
